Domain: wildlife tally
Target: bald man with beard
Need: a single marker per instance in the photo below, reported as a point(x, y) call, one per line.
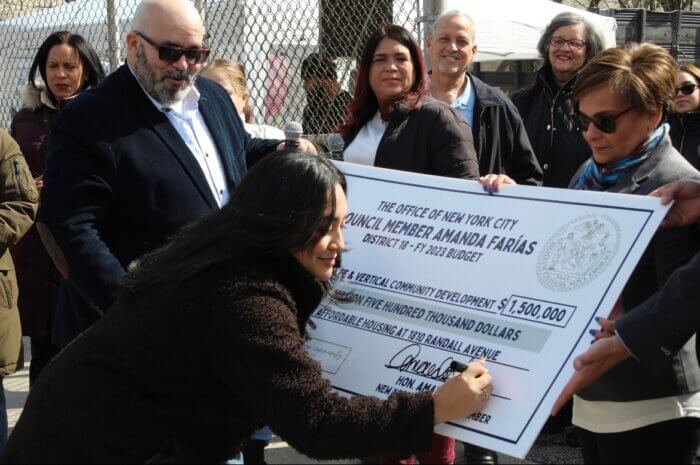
point(150, 150)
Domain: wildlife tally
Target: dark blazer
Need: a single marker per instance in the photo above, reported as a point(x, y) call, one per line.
point(120, 181)
point(501, 141)
point(669, 250)
point(432, 139)
point(558, 144)
point(656, 330)
point(197, 366)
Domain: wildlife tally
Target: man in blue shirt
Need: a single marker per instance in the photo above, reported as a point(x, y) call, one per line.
point(499, 135)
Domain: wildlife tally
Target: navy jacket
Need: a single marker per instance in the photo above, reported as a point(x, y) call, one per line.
point(119, 181)
point(659, 328)
point(500, 138)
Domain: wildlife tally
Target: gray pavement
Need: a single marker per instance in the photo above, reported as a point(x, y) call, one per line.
point(548, 449)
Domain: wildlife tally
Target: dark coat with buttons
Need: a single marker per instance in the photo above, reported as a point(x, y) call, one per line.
point(191, 368)
point(37, 276)
point(120, 181)
point(500, 138)
point(558, 144)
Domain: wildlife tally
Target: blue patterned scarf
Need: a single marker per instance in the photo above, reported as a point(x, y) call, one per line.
point(597, 177)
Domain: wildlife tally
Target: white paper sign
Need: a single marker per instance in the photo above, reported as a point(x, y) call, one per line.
point(442, 271)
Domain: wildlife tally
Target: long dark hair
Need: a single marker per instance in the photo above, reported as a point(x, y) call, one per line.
point(365, 105)
point(281, 206)
point(92, 67)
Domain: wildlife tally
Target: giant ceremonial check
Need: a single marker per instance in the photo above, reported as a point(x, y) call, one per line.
point(442, 271)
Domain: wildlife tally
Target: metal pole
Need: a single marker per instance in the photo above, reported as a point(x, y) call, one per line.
point(431, 10)
point(112, 35)
point(202, 8)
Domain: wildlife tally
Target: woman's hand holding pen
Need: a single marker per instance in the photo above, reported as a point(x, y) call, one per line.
point(463, 394)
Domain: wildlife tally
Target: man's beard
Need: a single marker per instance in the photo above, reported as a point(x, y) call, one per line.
point(155, 87)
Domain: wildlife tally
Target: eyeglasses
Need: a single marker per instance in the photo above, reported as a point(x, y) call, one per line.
point(606, 124)
point(558, 42)
point(687, 89)
point(169, 54)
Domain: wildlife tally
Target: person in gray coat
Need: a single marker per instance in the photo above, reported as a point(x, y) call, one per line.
point(623, 411)
point(620, 99)
point(654, 332)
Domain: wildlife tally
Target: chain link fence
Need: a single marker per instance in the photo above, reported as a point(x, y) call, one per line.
point(270, 38)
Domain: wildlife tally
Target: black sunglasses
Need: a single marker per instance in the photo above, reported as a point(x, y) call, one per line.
point(606, 124)
point(169, 54)
point(687, 89)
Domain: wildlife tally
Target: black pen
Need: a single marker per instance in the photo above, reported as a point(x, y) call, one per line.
point(458, 367)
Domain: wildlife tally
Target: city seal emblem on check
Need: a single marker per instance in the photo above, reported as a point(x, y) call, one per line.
point(578, 253)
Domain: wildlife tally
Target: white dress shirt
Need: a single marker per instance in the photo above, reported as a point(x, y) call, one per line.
point(189, 124)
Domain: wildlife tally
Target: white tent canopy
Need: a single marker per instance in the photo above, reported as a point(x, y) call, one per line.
point(510, 29)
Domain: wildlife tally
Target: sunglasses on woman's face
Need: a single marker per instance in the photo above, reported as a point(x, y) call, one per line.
point(686, 89)
point(606, 124)
point(170, 54)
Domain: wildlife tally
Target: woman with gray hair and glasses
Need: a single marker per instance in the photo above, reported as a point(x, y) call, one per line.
point(566, 45)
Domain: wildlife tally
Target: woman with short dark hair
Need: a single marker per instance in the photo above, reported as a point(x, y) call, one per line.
point(64, 66)
point(567, 44)
point(206, 342)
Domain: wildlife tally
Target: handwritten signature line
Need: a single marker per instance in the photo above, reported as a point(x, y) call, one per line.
point(407, 361)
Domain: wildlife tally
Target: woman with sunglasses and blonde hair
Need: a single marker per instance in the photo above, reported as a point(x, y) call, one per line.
point(621, 98)
point(685, 119)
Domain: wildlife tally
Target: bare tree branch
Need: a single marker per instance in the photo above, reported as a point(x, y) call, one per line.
point(665, 5)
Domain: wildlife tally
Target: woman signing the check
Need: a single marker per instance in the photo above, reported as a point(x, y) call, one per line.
point(205, 343)
point(621, 100)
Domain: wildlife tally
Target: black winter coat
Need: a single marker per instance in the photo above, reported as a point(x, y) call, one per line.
point(192, 368)
point(685, 135)
point(500, 138)
point(658, 329)
point(432, 139)
point(558, 144)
